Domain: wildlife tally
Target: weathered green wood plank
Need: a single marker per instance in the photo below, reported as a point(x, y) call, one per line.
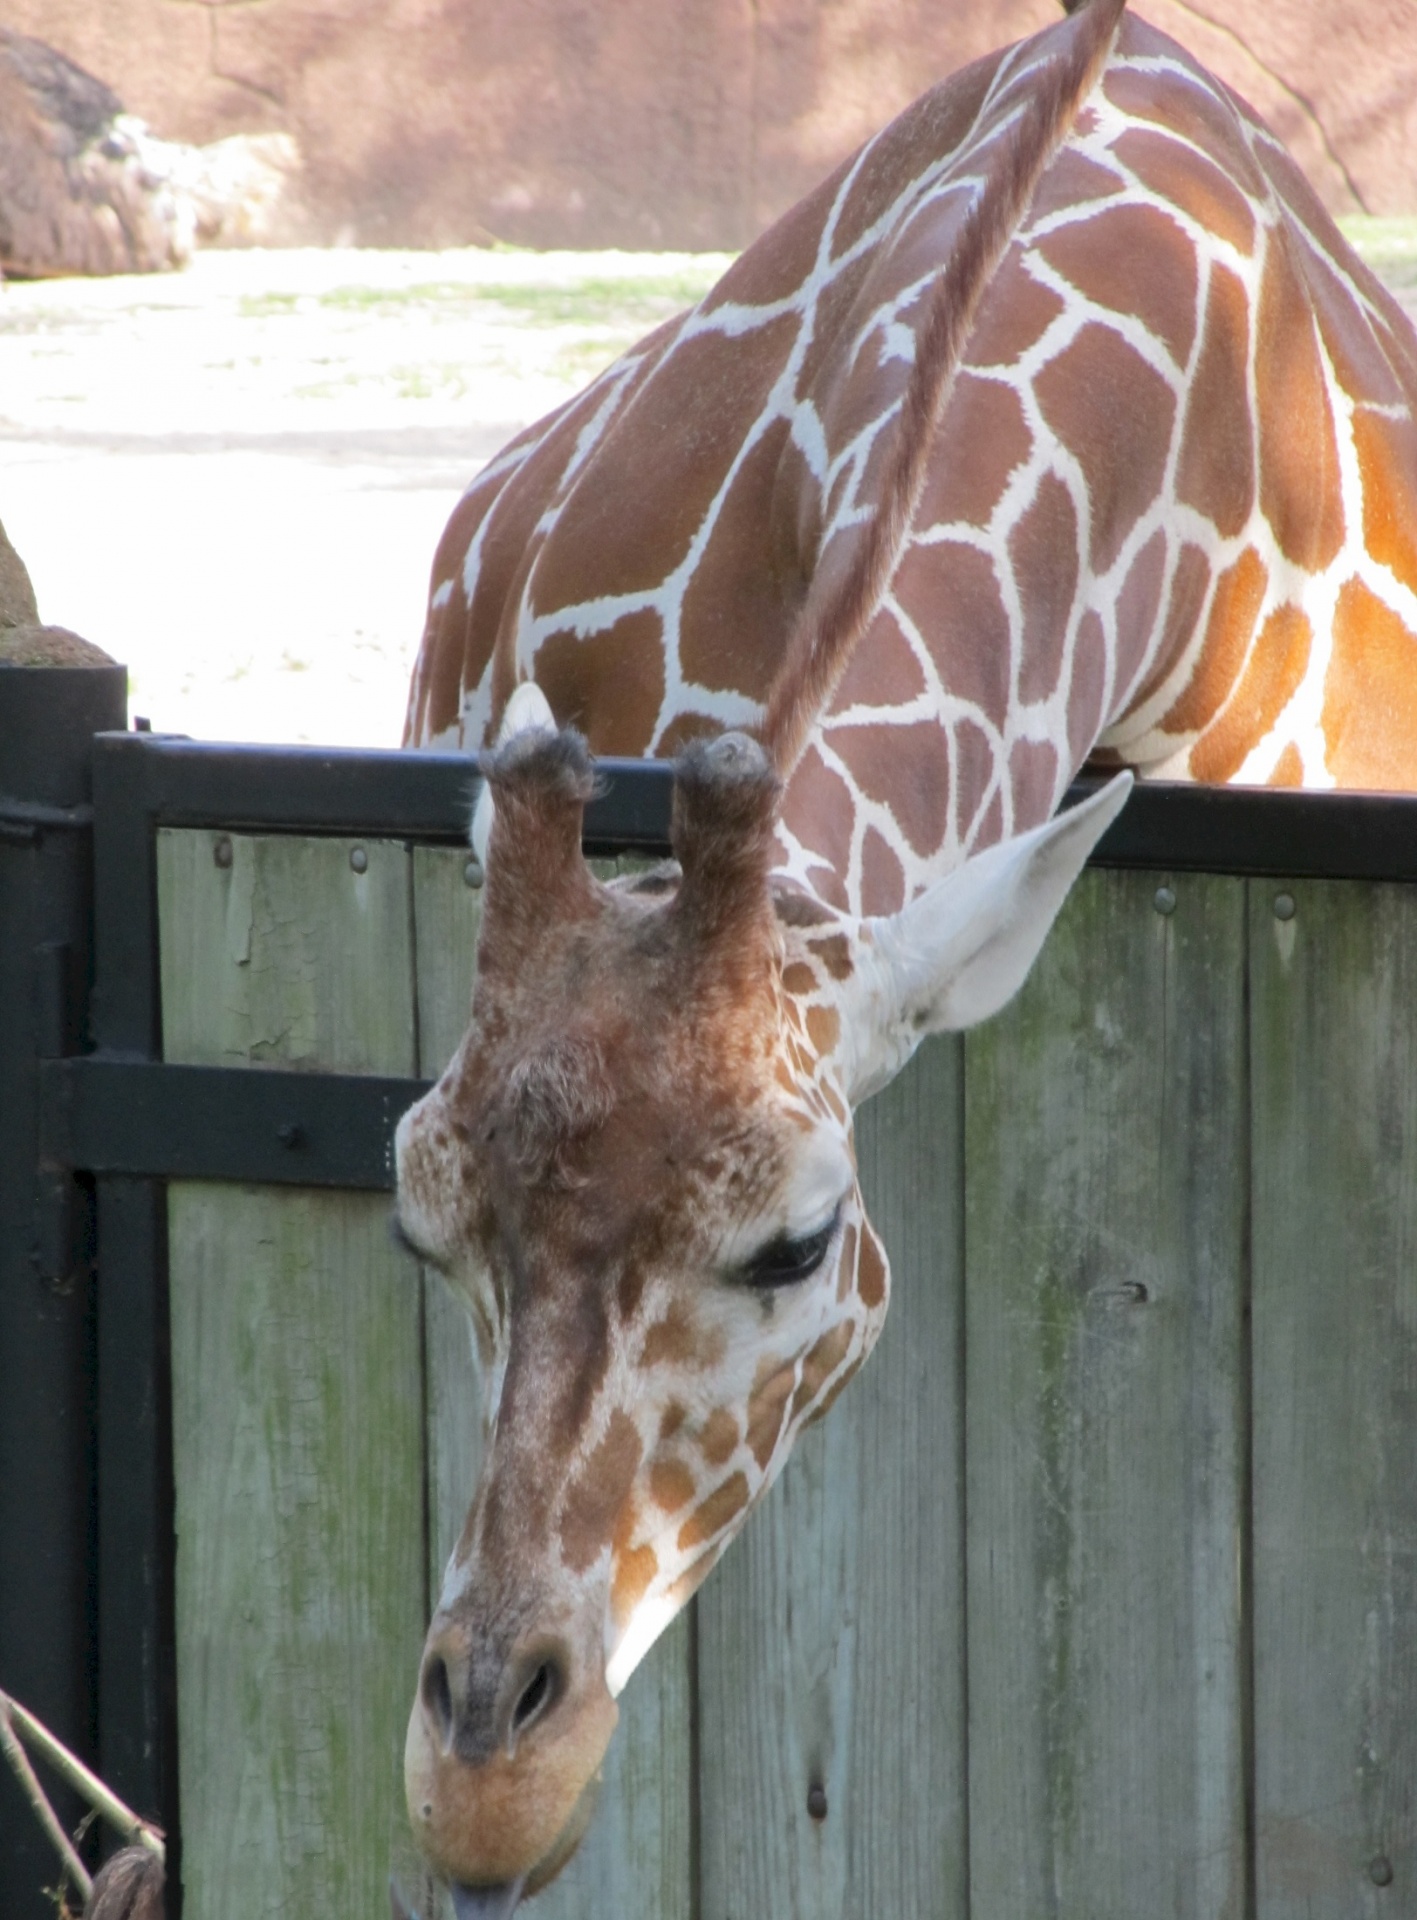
point(1105, 1162)
point(636, 1861)
point(831, 1639)
point(1335, 1395)
point(447, 915)
point(299, 1569)
point(297, 1399)
point(286, 957)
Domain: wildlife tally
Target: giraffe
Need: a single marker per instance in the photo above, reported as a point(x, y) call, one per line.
point(1059, 424)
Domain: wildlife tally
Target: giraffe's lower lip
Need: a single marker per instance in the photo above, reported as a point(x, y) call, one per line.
point(488, 1903)
point(498, 1902)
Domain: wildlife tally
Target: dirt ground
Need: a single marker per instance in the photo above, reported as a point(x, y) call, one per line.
point(233, 478)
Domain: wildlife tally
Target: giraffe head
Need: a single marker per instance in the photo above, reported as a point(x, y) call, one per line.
point(638, 1170)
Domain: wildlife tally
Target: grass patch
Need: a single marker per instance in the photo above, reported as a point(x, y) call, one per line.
point(612, 315)
point(429, 382)
point(1388, 242)
point(330, 389)
point(389, 300)
point(267, 306)
point(615, 310)
point(593, 303)
point(579, 364)
point(584, 303)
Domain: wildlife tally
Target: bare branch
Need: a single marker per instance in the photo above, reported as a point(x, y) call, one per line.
point(17, 1720)
point(35, 1794)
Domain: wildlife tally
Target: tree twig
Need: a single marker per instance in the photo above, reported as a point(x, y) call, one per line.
point(18, 1721)
point(39, 1800)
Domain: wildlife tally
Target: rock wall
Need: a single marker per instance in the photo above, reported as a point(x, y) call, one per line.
point(87, 188)
point(666, 123)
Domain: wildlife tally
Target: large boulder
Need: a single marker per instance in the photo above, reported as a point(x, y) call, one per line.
point(24, 642)
point(88, 188)
point(17, 601)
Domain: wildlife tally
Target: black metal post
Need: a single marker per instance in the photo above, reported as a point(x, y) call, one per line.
point(135, 1538)
point(48, 716)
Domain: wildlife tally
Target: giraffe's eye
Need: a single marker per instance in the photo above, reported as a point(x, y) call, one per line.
point(785, 1260)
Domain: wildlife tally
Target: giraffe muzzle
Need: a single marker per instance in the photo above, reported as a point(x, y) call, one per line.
point(502, 1761)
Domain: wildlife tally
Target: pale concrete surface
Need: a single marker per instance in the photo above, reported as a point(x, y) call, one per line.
point(234, 478)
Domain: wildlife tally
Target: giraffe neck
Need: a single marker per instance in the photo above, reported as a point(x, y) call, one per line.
point(833, 621)
point(1147, 524)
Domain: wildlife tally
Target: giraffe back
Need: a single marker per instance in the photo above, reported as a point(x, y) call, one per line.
point(1166, 512)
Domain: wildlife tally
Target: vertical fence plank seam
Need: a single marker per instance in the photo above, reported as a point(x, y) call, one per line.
point(1246, 1411)
point(411, 894)
point(961, 1359)
point(425, 1399)
point(424, 1279)
point(696, 1877)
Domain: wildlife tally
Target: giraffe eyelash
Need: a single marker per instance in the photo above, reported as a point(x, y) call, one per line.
point(787, 1260)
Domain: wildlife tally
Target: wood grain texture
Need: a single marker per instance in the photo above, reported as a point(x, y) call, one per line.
point(832, 1636)
point(298, 1447)
point(1044, 1469)
point(287, 957)
point(447, 921)
point(1335, 1428)
point(297, 1399)
point(636, 1861)
point(447, 917)
point(1105, 1165)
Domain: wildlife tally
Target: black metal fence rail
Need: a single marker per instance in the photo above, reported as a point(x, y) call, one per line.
point(119, 1112)
point(117, 1118)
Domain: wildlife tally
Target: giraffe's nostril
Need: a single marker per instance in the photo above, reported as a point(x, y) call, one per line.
point(438, 1697)
point(536, 1696)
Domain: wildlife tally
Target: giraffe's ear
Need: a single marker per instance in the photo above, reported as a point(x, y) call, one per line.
point(964, 948)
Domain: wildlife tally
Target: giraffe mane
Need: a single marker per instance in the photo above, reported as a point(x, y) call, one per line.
point(825, 637)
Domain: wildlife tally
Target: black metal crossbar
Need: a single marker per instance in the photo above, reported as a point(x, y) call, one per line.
point(1255, 831)
point(179, 782)
point(126, 1112)
point(143, 781)
point(165, 1120)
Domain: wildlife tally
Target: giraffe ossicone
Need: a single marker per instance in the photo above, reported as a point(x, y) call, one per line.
point(1060, 421)
point(527, 709)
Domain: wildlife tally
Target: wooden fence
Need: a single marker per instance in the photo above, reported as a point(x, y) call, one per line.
point(1096, 1596)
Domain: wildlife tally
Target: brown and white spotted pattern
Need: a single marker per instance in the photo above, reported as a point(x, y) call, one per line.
point(1171, 508)
point(1059, 422)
